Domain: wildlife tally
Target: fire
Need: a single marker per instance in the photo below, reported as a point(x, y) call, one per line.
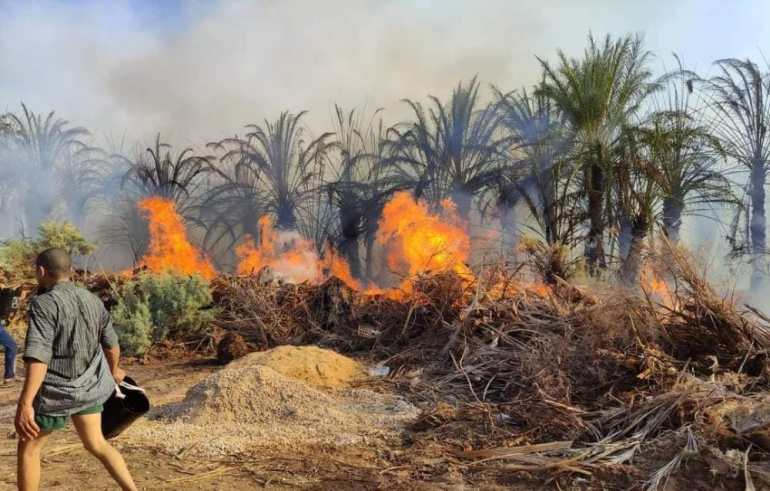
point(417, 240)
point(290, 257)
point(334, 265)
point(169, 249)
point(656, 287)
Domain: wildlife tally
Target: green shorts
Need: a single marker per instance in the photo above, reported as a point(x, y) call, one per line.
point(52, 423)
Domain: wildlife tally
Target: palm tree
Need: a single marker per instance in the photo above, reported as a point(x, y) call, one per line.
point(157, 172)
point(268, 171)
point(37, 149)
point(539, 175)
point(360, 186)
point(686, 151)
point(741, 105)
point(636, 196)
point(451, 150)
point(598, 94)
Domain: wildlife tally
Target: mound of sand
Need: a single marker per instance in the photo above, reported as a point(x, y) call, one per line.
point(312, 365)
point(251, 405)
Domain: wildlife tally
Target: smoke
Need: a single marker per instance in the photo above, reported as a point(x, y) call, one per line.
point(198, 71)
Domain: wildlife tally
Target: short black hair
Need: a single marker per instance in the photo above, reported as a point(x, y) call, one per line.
point(55, 261)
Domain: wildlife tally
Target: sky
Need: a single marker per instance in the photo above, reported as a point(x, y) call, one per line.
point(199, 70)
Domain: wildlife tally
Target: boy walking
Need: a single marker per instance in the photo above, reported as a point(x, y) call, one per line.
point(72, 357)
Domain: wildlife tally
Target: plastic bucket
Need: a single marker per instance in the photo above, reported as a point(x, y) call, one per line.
point(127, 404)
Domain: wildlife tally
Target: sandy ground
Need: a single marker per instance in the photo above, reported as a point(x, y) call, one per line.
point(66, 466)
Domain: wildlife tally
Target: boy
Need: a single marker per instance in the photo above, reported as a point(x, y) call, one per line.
point(72, 358)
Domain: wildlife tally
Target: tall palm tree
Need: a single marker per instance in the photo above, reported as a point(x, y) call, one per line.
point(741, 104)
point(450, 150)
point(598, 94)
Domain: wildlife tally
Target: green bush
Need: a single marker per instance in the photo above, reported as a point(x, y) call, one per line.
point(18, 255)
point(155, 308)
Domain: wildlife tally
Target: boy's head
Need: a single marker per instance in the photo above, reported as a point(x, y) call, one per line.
point(52, 265)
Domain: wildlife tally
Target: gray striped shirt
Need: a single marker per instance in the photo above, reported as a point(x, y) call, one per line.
point(67, 327)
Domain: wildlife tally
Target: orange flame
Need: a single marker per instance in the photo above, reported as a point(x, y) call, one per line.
point(656, 287)
point(419, 241)
point(290, 257)
point(169, 249)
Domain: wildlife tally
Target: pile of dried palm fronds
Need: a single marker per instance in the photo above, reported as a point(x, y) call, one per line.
point(515, 378)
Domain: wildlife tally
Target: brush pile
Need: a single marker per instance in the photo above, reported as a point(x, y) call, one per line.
point(515, 378)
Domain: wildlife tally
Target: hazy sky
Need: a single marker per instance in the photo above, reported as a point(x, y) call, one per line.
point(200, 70)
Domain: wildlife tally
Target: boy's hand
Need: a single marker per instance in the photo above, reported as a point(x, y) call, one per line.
point(118, 374)
point(26, 427)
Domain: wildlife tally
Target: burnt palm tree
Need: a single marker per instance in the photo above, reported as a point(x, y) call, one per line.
point(450, 150)
point(741, 104)
point(158, 172)
point(359, 186)
point(270, 170)
point(598, 94)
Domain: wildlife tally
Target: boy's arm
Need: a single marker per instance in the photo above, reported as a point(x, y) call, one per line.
point(111, 346)
point(25, 414)
point(113, 360)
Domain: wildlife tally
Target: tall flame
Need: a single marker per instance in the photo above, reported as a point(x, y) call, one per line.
point(169, 249)
point(417, 240)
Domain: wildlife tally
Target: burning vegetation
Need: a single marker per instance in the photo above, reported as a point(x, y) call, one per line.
point(170, 250)
point(588, 350)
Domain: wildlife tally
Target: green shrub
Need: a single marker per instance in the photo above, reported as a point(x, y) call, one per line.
point(155, 308)
point(18, 255)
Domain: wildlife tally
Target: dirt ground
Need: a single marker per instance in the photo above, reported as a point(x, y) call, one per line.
point(66, 466)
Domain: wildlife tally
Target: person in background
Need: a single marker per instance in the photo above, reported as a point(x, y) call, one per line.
point(72, 360)
point(6, 340)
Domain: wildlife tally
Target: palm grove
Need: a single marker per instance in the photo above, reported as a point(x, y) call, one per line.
point(601, 155)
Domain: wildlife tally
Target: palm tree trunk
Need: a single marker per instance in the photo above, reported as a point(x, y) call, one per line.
point(758, 223)
point(508, 221)
point(672, 218)
point(371, 220)
point(625, 237)
point(350, 221)
point(286, 219)
point(595, 179)
point(632, 261)
point(463, 199)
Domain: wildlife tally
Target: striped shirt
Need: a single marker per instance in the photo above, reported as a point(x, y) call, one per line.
point(67, 327)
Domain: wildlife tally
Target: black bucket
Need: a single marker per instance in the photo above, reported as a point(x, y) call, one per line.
point(120, 412)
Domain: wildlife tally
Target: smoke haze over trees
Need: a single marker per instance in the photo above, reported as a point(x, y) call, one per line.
point(529, 117)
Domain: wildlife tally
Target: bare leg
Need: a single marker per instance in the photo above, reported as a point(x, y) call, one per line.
point(28, 463)
point(89, 427)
